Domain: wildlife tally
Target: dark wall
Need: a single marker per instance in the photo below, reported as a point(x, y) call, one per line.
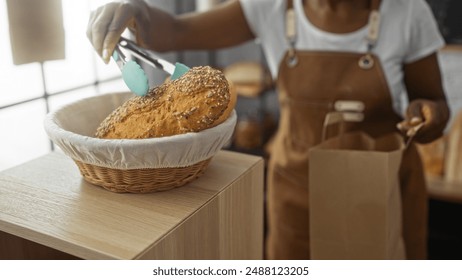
point(448, 14)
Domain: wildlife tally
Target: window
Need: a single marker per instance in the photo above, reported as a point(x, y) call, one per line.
point(28, 91)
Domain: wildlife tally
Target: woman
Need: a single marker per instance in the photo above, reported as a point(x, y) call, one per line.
point(319, 51)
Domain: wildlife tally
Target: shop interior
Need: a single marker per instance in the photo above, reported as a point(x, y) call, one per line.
point(38, 81)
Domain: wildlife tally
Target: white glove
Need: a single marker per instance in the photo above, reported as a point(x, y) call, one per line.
point(108, 22)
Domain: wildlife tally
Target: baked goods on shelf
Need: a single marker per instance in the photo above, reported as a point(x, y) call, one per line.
point(433, 156)
point(442, 158)
point(250, 78)
point(453, 161)
point(191, 103)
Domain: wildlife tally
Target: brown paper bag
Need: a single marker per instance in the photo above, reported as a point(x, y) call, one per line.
point(355, 203)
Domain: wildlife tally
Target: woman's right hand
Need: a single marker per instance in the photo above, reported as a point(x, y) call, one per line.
point(161, 31)
point(108, 22)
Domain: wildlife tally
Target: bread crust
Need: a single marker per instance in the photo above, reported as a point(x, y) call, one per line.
point(191, 103)
point(231, 104)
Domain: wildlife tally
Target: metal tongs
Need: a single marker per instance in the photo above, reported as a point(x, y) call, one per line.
point(134, 76)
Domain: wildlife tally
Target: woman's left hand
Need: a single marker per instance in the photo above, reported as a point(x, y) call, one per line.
point(425, 120)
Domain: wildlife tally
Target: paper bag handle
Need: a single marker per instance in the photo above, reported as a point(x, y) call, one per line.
point(412, 132)
point(346, 111)
point(340, 117)
point(352, 111)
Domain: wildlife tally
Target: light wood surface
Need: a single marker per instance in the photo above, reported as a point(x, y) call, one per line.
point(452, 48)
point(219, 215)
point(444, 190)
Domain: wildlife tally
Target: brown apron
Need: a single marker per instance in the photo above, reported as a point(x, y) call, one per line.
point(309, 83)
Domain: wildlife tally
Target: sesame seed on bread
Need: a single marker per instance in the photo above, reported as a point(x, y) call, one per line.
point(194, 102)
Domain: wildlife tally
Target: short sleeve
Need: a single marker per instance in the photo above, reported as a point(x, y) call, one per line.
point(256, 13)
point(424, 37)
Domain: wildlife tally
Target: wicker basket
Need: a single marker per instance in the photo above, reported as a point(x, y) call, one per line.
point(144, 180)
point(135, 166)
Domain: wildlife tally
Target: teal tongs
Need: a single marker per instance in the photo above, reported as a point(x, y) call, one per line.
point(132, 73)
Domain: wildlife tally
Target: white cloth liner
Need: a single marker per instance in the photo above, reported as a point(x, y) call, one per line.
point(72, 128)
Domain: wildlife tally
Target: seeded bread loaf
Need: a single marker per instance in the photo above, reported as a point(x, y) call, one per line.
point(231, 104)
point(191, 103)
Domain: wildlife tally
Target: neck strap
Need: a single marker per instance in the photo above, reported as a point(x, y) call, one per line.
point(291, 28)
point(374, 25)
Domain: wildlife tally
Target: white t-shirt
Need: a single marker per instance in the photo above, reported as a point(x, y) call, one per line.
point(408, 32)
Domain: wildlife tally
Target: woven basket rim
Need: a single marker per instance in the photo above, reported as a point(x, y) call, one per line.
point(116, 180)
point(103, 152)
point(59, 132)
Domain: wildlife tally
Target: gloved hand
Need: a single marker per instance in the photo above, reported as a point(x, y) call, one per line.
point(108, 22)
point(425, 120)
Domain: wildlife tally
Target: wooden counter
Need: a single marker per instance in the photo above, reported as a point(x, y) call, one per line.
point(47, 211)
point(444, 190)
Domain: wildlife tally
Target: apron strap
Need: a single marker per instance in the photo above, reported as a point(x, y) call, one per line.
point(374, 25)
point(367, 61)
point(372, 36)
point(291, 33)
